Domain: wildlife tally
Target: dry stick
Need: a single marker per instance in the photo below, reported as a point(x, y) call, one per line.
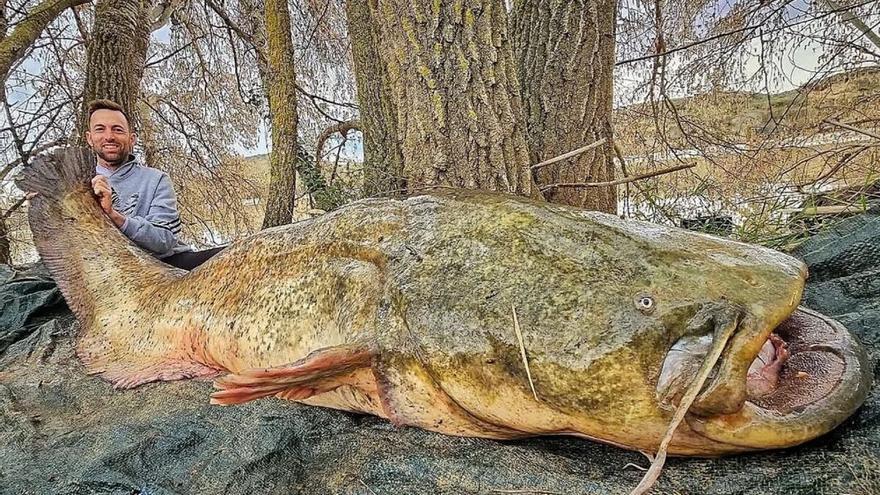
point(621, 181)
point(851, 128)
point(367, 487)
point(522, 350)
point(567, 155)
point(689, 397)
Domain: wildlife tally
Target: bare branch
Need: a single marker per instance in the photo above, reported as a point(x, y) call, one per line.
point(342, 128)
point(26, 32)
point(164, 15)
point(314, 97)
point(238, 30)
point(19, 161)
point(752, 27)
point(851, 128)
point(158, 61)
point(80, 25)
point(568, 155)
point(12, 208)
point(620, 181)
point(847, 16)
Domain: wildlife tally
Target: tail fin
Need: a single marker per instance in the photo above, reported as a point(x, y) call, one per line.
point(86, 254)
point(53, 175)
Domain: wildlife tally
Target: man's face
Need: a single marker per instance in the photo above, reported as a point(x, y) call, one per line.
point(110, 136)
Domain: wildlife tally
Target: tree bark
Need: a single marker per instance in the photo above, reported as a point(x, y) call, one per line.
point(455, 93)
point(281, 199)
point(383, 158)
point(565, 60)
point(117, 52)
point(14, 46)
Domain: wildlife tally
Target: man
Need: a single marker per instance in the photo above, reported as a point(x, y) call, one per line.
point(139, 200)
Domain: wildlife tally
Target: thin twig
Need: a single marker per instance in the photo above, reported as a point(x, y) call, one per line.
point(39, 149)
point(840, 164)
point(620, 181)
point(12, 208)
point(622, 161)
point(568, 155)
point(367, 487)
point(630, 464)
point(522, 349)
point(238, 30)
point(851, 128)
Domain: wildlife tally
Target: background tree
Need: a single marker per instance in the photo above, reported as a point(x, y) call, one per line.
point(454, 90)
point(282, 108)
point(117, 53)
point(383, 158)
point(26, 29)
point(564, 53)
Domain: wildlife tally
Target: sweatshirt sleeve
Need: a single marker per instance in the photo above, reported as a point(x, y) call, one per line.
point(157, 232)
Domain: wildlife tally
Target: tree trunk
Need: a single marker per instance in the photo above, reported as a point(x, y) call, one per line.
point(565, 60)
point(455, 93)
point(383, 159)
point(117, 52)
point(281, 198)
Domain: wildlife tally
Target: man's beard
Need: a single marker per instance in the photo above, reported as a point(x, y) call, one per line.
point(120, 156)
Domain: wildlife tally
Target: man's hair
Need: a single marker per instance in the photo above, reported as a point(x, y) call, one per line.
point(102, 104)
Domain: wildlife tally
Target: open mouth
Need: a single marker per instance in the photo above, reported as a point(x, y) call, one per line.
point(808, 376)
point(801, 363)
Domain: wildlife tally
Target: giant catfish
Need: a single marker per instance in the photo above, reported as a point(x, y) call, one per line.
point(465, 313)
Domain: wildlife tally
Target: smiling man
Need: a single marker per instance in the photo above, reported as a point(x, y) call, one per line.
point(139, 200)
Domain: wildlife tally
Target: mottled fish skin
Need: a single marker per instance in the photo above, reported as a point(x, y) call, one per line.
point(428, 285)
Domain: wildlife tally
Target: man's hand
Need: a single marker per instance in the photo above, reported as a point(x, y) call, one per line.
point(105, 198)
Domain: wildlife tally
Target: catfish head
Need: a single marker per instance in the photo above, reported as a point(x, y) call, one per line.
point(783, 374)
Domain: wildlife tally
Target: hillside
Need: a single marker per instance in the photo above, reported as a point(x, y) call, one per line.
point(752, 117)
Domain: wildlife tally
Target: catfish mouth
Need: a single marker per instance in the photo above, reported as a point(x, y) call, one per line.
point(808, 375)
point(800, 364)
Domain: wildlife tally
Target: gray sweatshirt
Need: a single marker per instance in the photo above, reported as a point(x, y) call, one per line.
point(146, 198)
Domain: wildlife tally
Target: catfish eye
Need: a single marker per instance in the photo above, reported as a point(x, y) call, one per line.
point(645, 303)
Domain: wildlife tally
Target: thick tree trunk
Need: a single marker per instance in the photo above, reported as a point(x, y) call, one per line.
point(282, 108)
point(383, 159)
point(565, 59)
point(455, 93)
point(117, 53)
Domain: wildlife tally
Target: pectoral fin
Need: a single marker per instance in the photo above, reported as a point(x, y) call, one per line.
point(321, 371)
